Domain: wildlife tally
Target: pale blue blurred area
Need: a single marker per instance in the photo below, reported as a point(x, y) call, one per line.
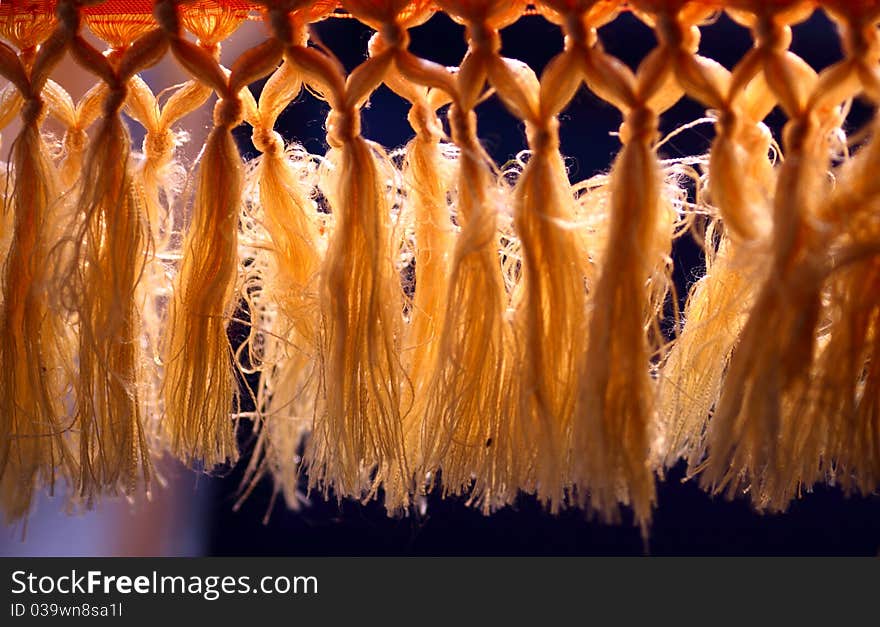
point(174, 522)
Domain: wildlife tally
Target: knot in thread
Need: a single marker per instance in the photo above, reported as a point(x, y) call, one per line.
point(394, 35)
point(671, 31)
point(579, 33)
point(165, 13)
point(677, 35)
point(32, 110)
point(545, 137)
point(342, 127)
point(426, 125)
point(28, 55)
point(75, 140)
point(280, 22)
point(483, 37)
point(159, 146)
point(68, 16)
point(300, 35)
point(859, 42)
point(267, 141)
point(729, 122)
point(115, 99)
point(211, 48)
point(462, 122)
point(640, 124)
point(797, 132)
point(228, 113)
point(115, 55)
point(771, 35)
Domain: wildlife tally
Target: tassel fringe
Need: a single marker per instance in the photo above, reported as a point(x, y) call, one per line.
point(424, 319)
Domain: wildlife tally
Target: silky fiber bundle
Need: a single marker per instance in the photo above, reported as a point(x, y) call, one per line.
point(417, 318)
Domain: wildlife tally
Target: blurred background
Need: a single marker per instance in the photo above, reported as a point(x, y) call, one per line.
point(193, 514)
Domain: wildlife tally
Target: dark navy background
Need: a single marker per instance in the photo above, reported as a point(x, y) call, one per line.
point(687, 521)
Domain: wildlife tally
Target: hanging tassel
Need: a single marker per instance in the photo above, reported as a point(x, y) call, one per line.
point(359, 427)
point(472, 395)
point(758, 439)
point(616, 403)
point(108, 263)
point(361, 304)
point(33, 341)
point(844, 407)
point(737, 246)
point(845, 411)
point(35, 350)
point(200, 387)
point(285, 307)
point(844, 399)
point(199, 383)
point(426, 176)
point(550, 304)
point(156, 186)
point(615, 414)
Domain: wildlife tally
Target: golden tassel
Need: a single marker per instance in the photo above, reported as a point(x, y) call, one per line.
point(283, 346)
point(200, 387)
point(757, 435)
point(35, 350)
point(615, 411)
point(471, 397)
